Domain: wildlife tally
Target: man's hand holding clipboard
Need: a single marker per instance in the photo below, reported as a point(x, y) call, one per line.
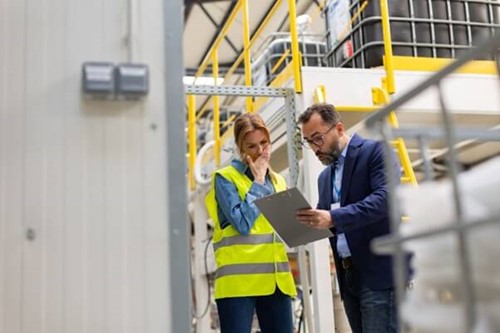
point(281, 210)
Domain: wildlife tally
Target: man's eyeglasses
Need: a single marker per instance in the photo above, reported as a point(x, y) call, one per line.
point(318, 140)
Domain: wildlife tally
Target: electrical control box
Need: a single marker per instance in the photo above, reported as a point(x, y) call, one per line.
point(98, 79)
point(132, 80)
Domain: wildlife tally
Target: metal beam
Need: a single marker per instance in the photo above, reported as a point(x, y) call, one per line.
point(192, 2)
point(223, 69)
point(189, 4)
point(462, 133)
point(175, 145)
point(293, 137)
point(218, 26)
point(188, 7)
point(387, 244)
point(203, 1)
point(214, 38)
point(236, 91)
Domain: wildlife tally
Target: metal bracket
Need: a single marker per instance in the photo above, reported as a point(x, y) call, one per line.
point(235, 90)
point(379, 96)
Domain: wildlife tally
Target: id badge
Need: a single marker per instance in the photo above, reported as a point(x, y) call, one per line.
point(335, 205)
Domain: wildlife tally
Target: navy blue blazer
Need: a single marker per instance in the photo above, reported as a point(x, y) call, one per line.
point(363, 213)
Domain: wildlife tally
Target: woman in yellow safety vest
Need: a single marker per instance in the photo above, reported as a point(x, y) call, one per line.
point(253, 272)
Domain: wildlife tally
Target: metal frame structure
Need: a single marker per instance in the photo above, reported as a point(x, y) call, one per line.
point(287, 93)
point(179, 251)
point(378, 124)
point(292, 150)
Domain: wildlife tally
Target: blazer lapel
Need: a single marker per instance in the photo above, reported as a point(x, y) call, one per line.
point(349, 162)
point(328, 187)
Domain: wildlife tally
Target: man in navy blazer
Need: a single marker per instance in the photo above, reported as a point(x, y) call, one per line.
point(353, 204)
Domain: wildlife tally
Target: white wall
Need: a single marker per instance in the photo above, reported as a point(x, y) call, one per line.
point(86, 176)
point(345, 86)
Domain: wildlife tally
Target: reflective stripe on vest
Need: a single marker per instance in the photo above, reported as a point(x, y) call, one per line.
point(252, 269)
point(246, 240)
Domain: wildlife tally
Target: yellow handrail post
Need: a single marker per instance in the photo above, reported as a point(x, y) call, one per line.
point(297, 63)
point(388, 56)
point(215, 72)
point(191, 101)
point(320, 94)
point(246, 51)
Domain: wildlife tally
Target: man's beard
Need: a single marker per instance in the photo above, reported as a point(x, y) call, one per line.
point(332, 156)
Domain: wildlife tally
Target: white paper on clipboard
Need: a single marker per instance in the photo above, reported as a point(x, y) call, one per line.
point(280, 210)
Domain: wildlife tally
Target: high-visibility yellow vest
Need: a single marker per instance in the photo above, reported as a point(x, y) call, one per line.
point(251, 265)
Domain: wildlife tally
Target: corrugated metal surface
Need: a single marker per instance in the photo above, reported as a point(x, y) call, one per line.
point(86, 177)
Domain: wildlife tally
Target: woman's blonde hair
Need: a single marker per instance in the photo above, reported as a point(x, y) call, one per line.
point(246, 123)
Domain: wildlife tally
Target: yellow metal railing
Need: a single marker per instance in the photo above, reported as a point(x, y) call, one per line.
point(388, 57)
point(191, 101)
point(388, 86)
point(218, 40)
point(296, 63)
point(280, 61)
point(242, 6)
point(380, 97)
point(279, 81)
point(426, 64)
point(393, 63)
point(246, 52)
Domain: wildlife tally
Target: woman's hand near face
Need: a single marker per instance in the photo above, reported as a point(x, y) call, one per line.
point(260, 165)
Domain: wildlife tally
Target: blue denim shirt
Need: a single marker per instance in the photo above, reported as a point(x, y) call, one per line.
point(231, 209)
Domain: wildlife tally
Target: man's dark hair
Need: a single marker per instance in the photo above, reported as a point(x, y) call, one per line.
point(327, 112)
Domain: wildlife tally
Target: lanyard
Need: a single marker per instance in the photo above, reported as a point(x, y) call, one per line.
point(336, 190)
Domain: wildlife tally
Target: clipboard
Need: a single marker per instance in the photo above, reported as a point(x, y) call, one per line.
point(280, 210)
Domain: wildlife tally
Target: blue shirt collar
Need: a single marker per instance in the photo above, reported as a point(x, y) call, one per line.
point(240, 166)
